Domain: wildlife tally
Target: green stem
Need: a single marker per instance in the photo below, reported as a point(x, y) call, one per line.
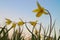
point(30, 31)
point(39, 31)
point(50, 22)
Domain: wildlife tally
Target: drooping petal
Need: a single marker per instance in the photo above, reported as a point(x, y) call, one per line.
point(39, 7)
point(39, 14)
point(36, 10)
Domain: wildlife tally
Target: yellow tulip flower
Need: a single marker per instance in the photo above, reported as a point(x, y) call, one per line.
point(40, 10)
point(8, 21)
point(14, 25)
point(33, 23)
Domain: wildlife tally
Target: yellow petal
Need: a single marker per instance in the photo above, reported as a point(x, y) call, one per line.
point(8, 21)
point(33, 23)
point(45, 13)
point(13, 25)
point(36, 10)
point(20, 23)
point(39, 7)
point(38, 14)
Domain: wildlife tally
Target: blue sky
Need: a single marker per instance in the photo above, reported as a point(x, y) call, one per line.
point(23, 8)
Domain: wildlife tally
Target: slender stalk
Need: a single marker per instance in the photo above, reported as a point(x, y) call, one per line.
point(50, 22)
point(6, 32)
point(14, 34)
point(2, 29)
point(19, 31)
point(33, 29)
point(43, 30)
point(39, 32)
point(30, 31)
